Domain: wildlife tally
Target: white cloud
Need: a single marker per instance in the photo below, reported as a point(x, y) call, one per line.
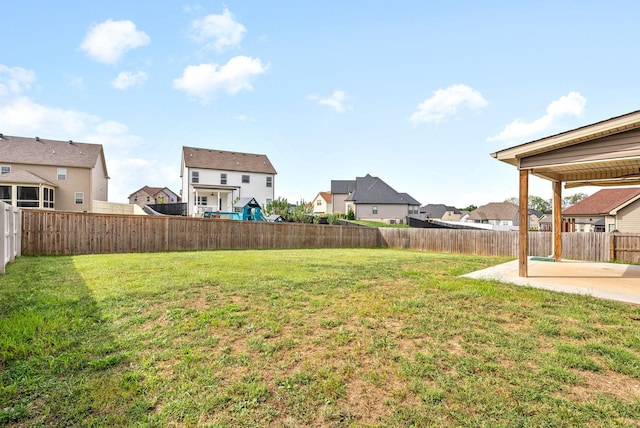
point(571, 104)
point(108, 41)
point(218, 31)
point(241, 117)
point(336, 101)
point(14, 80)
point(447, 102)
point(126, 79)
point(204, 80)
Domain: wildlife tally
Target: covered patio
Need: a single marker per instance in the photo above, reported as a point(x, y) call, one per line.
point(605, 153)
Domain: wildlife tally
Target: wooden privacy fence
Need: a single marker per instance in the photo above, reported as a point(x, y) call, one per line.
point(10, 226)
point(65, 233)
point(595, 246)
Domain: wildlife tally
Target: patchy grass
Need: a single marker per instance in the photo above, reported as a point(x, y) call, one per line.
point(347, 337)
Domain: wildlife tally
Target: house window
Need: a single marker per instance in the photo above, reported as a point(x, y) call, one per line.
point(5, 194)
point(195, 176)
point(223, 178)
point(269, 181)
point(202, 200)
point(62, 173)
point(246, 179)
point(148, 198)
point(374, 209)
point(28, 197)
point(79, 198)
point(318, 202)
point(47, 198)
point(269, 201)
point(414, 209)
point(5, 169)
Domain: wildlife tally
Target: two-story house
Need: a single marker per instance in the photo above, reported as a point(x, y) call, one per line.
point(605, 211)
point(153, 195)
point(52, 174)
point(370, 198)
point(213, 180)
point(321, 204)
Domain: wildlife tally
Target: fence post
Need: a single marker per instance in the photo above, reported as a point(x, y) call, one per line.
point(612, 247)
point(4, 227)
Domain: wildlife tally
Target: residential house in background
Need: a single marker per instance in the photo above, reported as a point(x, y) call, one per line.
point(213, 180)
point(340, 190)
point(321, 204)
point(370, 198)
point(502, 216)
point(440, 212)
point(605, 211)
point(52, 174)
point(153, 195)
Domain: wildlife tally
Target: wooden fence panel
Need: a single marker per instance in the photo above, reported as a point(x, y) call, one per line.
point(65, 233)
point(60, 233)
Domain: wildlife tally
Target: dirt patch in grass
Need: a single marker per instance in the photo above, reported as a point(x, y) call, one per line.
point(611, 383)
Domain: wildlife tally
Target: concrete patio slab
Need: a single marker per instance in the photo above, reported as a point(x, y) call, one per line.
point(611, 281)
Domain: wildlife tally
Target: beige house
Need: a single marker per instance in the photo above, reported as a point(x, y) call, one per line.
point(605, 211)
point(153, 195)
point(321, 204)
point(503, 216)
point(51, 174)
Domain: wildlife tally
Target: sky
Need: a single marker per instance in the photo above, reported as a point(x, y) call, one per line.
point(418, 93)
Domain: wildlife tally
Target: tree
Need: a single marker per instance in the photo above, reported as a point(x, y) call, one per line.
point(567, 201)
point(470, 208)
point(302, 213)
point(539, 204)
point(513, 200)
point(279, 207)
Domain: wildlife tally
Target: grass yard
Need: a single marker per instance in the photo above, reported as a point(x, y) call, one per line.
point(291, 338)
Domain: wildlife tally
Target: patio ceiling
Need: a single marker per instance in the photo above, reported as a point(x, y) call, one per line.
point(606, 153)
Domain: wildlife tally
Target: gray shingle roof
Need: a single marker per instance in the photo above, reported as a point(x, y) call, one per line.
point(372, 190)
point(342, 187)
point(226, 161)
point(38, 151)
point(438, 210)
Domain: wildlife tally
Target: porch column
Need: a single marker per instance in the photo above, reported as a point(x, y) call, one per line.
point(557, 220)
point(523, 228)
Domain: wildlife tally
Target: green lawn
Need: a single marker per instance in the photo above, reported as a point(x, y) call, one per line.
point(346, 337)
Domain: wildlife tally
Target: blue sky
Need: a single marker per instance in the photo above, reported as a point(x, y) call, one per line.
point(418, 93)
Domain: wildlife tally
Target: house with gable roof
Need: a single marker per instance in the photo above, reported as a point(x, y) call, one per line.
point(153, 195)
point(440, 212)
point(370, 198)
point(605, 211)
point(503, 216)
point(321, 204)
point(213, 180)
point(52, 174)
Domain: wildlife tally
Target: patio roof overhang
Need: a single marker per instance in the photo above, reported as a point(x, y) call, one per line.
point(605, 153)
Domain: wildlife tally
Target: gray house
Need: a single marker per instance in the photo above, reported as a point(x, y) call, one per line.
point(440, 212)
point(370, 198)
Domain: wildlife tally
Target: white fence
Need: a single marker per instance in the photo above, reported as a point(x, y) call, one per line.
point(11, 230)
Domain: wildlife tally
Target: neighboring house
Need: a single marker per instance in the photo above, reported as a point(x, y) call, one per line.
point(605, 211)
point(212, 180)
point(340, 190)
point(502, 216)
point(370, 198)
point(321, 204)
point(51, 174)
point(153, 195)
point(440, 212)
